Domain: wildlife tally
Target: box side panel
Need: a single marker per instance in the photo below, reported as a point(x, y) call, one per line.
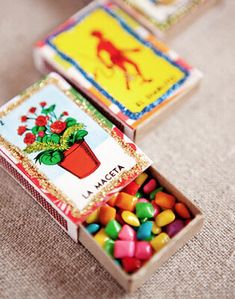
point(66, 225)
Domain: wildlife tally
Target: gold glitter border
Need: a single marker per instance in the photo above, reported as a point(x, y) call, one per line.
point(32, 170)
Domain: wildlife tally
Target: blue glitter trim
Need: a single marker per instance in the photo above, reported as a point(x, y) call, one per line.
point(124, 25)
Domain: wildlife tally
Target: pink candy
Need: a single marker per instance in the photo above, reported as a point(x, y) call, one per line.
point(150, 186)
point(124, 249)
point(143, 250)
point(142, 200)
point(127, 233)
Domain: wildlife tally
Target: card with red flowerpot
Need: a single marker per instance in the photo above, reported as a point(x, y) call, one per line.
point(64, 152)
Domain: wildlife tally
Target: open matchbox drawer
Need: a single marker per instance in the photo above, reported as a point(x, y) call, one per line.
point(59, 183)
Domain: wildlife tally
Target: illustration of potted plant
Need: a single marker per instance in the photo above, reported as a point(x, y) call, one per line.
point(59, 140)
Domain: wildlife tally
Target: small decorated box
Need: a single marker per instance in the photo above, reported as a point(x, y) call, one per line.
point(163, 16)
point(95, 182)
point(127, 73)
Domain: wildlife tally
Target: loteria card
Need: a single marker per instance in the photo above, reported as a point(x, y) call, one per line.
point(73, 156)
point(106, 53)
point(163, 13)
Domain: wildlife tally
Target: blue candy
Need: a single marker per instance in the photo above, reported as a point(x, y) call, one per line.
point(93, 228)
point(144, 230)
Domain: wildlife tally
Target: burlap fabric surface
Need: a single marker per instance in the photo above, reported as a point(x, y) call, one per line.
point(194, 148)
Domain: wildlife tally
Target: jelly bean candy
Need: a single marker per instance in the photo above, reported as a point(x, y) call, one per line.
point(127, 233)
point(144, 210)
point(157, 209)
point(139, 194)
point(106, 214)
point(165, 218)
point(131, 264)
point(109, 247)
point(101, 237)
point(154, 192)
point(164, 200)
point(112, 201)
point(150, 238)
point(156, 229)
point(144, 231)
point(124, 249)
point(112, 229)
point(126, 201)
point(130, 218)
point(160, 241)
point(182, 210)
point(93, 217)
point(132, 188)
point(143, 220)
point(150, 186)
point(174, 227)
point(93, 228)
point(143, 250)
point(141, 178)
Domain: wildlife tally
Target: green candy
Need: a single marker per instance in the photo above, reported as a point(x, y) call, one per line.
point(139, 194)
point(112, 229)
point(154, 192)
point(144, 210)
point(109, 247)
point(143, 220)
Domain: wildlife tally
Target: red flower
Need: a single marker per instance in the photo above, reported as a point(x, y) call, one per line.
point(43, 104)
point(29, 138)
point(32, 109)
point(41, 121)
point(65, 113)
point(21, 130)
point(41, 134)
point(24, 118)
point(58, 127)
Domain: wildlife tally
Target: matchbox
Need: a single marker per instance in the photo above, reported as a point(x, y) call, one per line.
point(128, 74)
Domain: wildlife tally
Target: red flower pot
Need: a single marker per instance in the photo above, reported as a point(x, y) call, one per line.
point(80, 160)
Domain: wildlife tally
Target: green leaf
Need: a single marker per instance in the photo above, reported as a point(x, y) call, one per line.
point(41, 129)
point(55, 138)
point(35, 130)
point(50, 157)
point(80, 134)
point(39, 139)
point(45, 139)
point(48, 110)
point(70, 121)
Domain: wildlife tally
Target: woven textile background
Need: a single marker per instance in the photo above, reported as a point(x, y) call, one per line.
point(194, 148)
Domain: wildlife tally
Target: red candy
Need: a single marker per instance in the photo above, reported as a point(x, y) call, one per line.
point(131, 264)
point(150, 186)
point(132, 188)
point(157, 209)
point(182, 210)
point(143, 250)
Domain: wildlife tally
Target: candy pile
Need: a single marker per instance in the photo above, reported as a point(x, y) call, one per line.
point(137, 222)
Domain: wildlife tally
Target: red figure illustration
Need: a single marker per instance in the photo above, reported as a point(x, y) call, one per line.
point(117, 56)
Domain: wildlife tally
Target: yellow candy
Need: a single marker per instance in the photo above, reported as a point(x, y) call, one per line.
point(93, 217)
point(141, 178)
point(130, 218)
point(160, 241)
point(156, 229)
point(165, 218)
point(101, 237)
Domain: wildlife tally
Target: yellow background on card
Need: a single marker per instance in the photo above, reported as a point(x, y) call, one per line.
point(81, 46)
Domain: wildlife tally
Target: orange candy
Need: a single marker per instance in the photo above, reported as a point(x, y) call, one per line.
point(126, 201)
point(182, 210)
point(112, 200)
point(164, 200)
point(106, 214)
